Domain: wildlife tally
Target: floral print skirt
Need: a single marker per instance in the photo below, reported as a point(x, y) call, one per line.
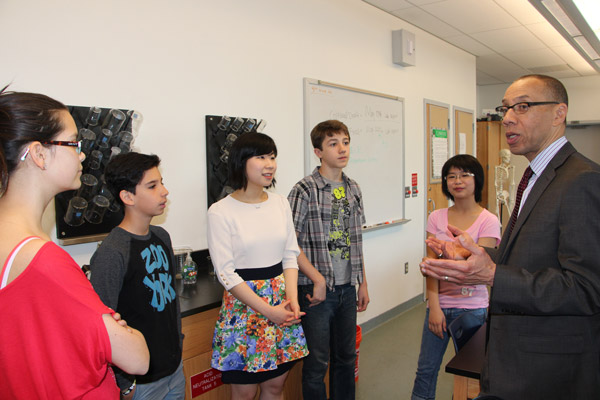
point(245, 340)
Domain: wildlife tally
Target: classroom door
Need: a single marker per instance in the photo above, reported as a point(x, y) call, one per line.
point(437, 122)
point(463, 132)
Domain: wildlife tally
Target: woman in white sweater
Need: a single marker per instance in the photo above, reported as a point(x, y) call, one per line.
point(252, 244)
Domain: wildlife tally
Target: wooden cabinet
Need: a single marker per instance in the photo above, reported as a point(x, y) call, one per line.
point(197, 351)
point(490, 139)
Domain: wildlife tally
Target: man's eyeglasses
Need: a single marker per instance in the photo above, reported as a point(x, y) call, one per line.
point(522, 107)
point(73, 143)
point(463, 176)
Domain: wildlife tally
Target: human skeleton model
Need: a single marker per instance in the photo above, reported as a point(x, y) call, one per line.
point(505, 179)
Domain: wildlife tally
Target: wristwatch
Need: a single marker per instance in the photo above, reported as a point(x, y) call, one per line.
point(129, 389)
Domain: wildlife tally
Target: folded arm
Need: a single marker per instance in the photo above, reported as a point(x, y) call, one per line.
point(128, 347)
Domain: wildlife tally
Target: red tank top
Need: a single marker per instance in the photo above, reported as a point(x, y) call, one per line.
point(53, 342)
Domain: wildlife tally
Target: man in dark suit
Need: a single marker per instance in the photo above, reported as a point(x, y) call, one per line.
point(544, 319)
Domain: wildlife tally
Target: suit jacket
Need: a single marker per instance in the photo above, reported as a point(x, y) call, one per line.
point(544, 326)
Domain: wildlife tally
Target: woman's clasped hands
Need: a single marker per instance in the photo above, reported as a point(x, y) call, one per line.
point(286, 313)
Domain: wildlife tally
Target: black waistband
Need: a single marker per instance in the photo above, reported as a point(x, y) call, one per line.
point(252, 274)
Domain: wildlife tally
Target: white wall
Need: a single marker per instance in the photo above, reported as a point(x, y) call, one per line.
point(178, 61)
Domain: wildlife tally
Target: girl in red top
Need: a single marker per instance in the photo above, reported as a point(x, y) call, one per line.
point(58, 339)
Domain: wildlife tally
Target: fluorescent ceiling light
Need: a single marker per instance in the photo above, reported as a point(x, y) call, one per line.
point(558, 13)
point(587, 47)
point(590, 9)
point(578, 21)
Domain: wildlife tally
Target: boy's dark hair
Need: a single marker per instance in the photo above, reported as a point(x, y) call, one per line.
point(246, 146)
point(125, 171)
point(325, 129)
point(24, 118)
point(466, 163)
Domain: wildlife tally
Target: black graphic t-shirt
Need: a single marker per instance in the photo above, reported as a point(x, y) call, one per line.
point(135, 275)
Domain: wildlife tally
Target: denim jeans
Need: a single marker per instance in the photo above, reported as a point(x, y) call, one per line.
point(330, 329)
point(170, 387)
point(432, 353)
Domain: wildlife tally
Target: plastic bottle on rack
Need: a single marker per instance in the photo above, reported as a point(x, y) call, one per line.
point(190, 271)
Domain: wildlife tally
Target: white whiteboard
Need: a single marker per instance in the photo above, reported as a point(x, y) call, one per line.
point(376, 125)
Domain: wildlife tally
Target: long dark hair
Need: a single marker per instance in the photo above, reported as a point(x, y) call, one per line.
point(24, 118)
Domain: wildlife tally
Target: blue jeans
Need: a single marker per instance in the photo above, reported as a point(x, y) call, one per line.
point(330, 329)
point(432, 353)
point(170, 387)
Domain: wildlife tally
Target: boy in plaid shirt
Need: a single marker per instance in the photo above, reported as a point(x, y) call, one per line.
point(328, 215)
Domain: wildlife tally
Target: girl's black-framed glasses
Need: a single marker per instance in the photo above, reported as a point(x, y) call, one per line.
point(70, 143)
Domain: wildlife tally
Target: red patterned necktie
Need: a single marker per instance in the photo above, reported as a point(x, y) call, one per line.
point(522, 185)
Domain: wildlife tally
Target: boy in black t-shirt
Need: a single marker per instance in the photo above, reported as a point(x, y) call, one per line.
point(133, 272)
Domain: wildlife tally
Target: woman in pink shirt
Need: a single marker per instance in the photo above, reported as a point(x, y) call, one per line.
point(462, 182)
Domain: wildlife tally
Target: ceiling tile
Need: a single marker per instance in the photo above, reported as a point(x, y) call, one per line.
point(513, 75)
point(389, 5)
point(493, 63)
point(547, 34)
point(572, 57)
point(426, 21)
point(588, 72)
point(584, 68)
point(423, 2)
point(564, 74)
point(521, 10)
point(499, 67)
point(470, 16)
point(510, 39)
point(535, 58)
point(485, 79)
point(469, 44)
point(569, 54)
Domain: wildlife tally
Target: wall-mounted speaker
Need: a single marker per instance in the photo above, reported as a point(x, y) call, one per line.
point(403, 48)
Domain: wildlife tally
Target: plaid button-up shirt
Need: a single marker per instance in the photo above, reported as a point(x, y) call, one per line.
point(310, 200)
